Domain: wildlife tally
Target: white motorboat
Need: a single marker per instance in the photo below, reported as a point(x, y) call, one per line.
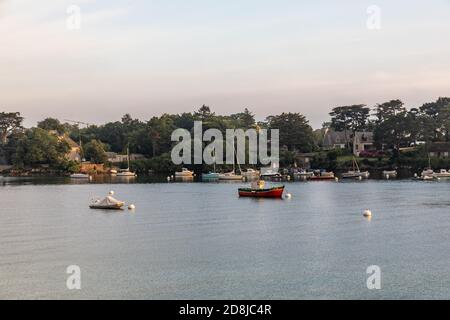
point(303, 175)
point(184, 173)
point(427, 173)
point(441, 174)
point(356, 173)
point(80, 176)
point(251, 174)
point(390, 174)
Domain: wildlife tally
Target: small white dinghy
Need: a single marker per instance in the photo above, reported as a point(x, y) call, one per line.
point(108, 203)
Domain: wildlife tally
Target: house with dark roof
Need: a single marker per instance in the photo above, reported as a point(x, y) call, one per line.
point(361, 141)
point(439, 150)
point(335, 139)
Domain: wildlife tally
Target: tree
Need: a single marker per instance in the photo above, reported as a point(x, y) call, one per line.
point(438, 112)
point(9, 122)
point(295, 131)
point(388, 109)
point(52, 124)
point(204, 113)
point(349, 118)
point(246, 119)
point(37, 146)
point(396, 131)
point(160, 131)
point(94, 151)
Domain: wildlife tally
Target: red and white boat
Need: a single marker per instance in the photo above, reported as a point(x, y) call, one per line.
point(258, 190)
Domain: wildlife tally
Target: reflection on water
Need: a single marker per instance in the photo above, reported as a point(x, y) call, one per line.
point(200, 240)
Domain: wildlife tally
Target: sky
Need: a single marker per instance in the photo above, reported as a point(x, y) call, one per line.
point(152, 57)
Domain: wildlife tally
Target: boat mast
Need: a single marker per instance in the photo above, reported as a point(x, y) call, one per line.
point(128, 157)
point(357, 166)
point(237, 159)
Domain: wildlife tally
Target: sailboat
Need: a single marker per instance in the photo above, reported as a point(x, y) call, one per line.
point(211, 175)
point(126, 172)
point(356, 173)
point(232, 176)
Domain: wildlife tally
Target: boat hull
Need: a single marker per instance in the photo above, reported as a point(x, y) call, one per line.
point(125, 175)
point(262, 193)
point(230, 178)
point(363, 175)
point(108, 207)
point(322, 178)
point(210, 176)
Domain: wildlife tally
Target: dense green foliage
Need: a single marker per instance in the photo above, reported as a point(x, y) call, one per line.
point(393, 125)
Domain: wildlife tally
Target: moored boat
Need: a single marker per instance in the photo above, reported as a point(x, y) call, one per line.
point(80, 176)
point(108, 203)
point(126, 172)
point(303, 175)
point(230, 176)
point(184, 173)
point(322, 176)
point(356, 173)
point(251, 174)
point(441, 174)
point(270, 174)
point(389, 174)
point(259, 190)
point(210, 176)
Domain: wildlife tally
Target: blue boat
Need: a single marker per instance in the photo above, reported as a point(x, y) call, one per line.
point(210, 176)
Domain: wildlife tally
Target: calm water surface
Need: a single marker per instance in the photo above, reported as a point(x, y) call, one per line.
point(200, 241)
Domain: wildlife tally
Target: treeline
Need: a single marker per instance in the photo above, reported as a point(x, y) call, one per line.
point(152, 138)
point(393, 125)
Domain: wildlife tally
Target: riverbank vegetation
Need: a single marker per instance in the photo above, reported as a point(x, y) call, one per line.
point(402, 136)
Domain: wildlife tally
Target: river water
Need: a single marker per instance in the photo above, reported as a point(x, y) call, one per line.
point(200, 241)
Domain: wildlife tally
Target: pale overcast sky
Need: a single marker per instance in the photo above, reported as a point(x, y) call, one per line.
point(151, 57)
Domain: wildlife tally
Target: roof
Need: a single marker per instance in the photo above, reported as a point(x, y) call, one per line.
point(70, 142)
point(333, 138)
point(66, 138)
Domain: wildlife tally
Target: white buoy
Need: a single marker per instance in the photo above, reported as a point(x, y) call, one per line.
point(367, 213)
point(288, 196)
point(415, 175)
point(387, 177)
point(336, 179)
point(360, 178)
point(288, 178)
point(111, 193)
point(131, 207)
point(168, 179)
